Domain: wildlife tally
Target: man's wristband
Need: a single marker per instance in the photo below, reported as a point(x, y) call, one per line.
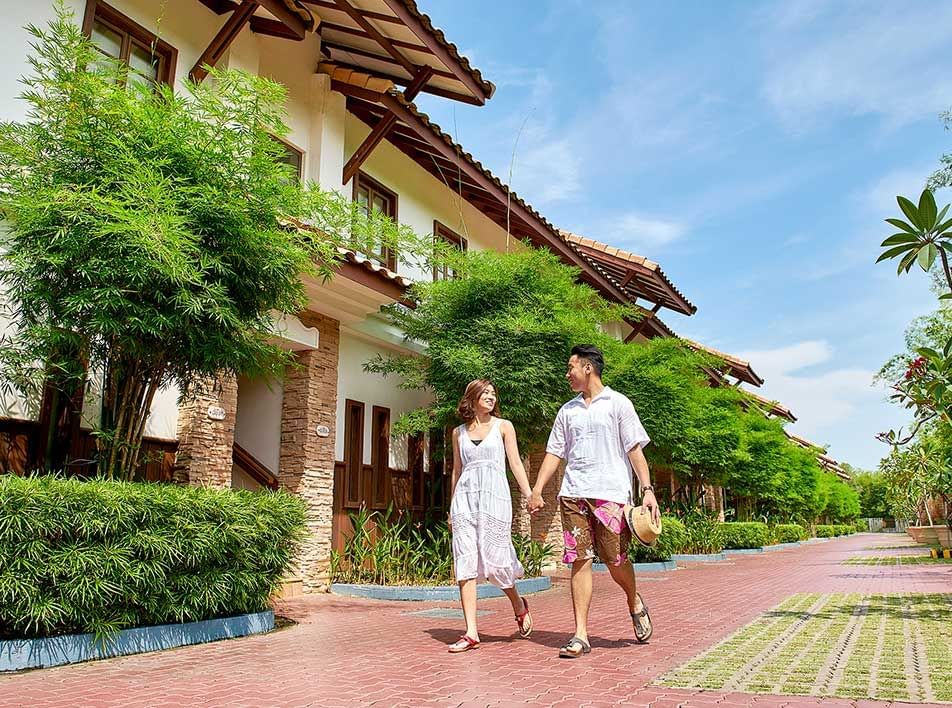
point(647, 488)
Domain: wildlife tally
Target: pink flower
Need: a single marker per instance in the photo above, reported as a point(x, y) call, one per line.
point(569, 557)
point(569, 540)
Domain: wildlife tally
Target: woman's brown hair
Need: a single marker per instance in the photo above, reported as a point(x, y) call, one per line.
point(467, 404)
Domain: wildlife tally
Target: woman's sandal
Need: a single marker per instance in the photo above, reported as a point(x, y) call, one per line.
point(574, 648)
point(524, 620)
point(464, 643)
point(641, 633)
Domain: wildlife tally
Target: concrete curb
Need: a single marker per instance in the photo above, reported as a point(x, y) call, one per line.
point(781, 546)
point(419, 593)
point(20, 654)
point(744, 551)
point(658, 567)
point(698, 557)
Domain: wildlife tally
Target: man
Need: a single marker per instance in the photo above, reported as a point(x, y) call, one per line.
point(600, 437)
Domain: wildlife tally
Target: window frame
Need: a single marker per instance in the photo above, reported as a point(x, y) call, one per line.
point(389, 256)
point(443, 232)
point(291, 147)
point(132, 31)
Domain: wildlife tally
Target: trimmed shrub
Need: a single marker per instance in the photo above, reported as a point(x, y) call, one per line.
point(703, 532)
point(101, 556)
point(860, 526)
point(825, 531)
point(843, 529)
point(745, 534)
point(788, 533)
point(673, 539)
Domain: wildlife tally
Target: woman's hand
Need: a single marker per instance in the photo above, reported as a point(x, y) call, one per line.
point(449, 521)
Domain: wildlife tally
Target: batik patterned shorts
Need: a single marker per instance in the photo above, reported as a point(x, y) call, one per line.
point(593, 526)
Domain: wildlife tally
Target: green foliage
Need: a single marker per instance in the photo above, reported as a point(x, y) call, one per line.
point(842, 501)
point(703, 531)
point(694, 427)
point(860, 526)
point(750, 534)
point(924, 237)
point(102, 556)
point(825, 531)
point(673, 539)
point(511, 318)
point(390, 548)
point(150, 233)
point(871, 488)
point(788, 533)
point(532, 554)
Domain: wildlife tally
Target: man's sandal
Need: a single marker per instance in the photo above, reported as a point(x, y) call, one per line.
point(464, 643)
point(524, 620)
point(574, 648)
point(641, 623)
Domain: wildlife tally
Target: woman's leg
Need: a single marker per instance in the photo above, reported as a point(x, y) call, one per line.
point(467, 596)
point(515, 599)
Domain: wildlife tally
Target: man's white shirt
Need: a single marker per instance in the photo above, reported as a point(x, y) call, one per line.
point(594, 441)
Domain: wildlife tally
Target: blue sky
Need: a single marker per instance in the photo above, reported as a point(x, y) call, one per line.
point(752, 149)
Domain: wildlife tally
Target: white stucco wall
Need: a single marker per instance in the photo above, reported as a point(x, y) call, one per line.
point(371, 390)
point(258, 421)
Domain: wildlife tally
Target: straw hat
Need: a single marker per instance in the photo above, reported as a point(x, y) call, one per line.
point(642, 525)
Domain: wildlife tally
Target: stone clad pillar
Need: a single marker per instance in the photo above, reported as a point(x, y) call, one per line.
point(546, 525)
point(206, 434)
point(306, 465)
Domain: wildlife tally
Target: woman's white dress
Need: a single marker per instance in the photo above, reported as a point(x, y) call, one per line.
point(481, 512)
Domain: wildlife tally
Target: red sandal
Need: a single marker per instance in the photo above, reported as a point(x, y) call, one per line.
point(524, 620)
point(464, 643)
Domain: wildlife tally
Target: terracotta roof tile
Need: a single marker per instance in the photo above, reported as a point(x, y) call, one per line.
point(773, 406)
point(739, 368)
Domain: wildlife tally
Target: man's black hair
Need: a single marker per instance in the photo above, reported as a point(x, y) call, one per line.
point(591, 354)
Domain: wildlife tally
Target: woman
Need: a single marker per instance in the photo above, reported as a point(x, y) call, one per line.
point(481, 507)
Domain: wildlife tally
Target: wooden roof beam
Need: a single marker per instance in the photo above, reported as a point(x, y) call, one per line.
point(403, 81)
point(416, 26)
point(355, 32)
point(370, 14)
point(640, 325)
point(223, 39)
point(289, 19)
point(380, 130)
point(384, 42)
point(331, 44)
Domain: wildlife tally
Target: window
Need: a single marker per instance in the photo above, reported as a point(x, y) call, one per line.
point(292, 156)
point(416, 453)
point(353, 453)
point(374, 197)
point(380, 458)
point(444, 233)
point(117, 36)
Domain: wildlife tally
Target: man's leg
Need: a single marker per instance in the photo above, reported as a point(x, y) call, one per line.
point(581, 595)
point(624, 577)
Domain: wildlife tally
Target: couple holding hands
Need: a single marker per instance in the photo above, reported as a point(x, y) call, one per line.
point(600, 438)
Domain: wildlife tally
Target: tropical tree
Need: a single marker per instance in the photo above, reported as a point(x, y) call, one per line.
point(511, 318)
point(151, 237)
point(871, 489)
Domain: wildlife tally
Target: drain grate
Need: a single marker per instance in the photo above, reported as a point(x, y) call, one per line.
point(885, 646)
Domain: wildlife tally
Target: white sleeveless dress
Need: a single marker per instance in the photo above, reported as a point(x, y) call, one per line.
point(481, 512)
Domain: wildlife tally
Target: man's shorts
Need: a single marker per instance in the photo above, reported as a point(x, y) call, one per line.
point(591, 526)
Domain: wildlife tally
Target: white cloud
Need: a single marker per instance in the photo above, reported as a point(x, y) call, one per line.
point(859, 60)
point(838, 407)
point(879, 198)
point(634, 230)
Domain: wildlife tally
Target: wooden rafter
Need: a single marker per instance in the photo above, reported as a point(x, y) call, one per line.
point(424, 35)
point(356, 32)
point(220, 43)
point(385, 43)
point(641, 323)
point(286, 17)
point(404, 81)
point(380, 130)
point(367, 54)
point(370, 14)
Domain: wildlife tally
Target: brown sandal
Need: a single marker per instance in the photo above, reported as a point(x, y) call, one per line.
point(464, 643)
point(574, 648)
point(524, 620)
point(641, 634)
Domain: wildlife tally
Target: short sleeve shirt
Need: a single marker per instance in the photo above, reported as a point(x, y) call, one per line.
point(594, 441)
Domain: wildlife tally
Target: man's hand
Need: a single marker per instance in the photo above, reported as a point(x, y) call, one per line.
point(649, 502)
point(535, 502)
point(449, 521)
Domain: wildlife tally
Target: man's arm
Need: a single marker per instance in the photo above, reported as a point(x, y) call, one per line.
point(640, 466)
point(550, 464)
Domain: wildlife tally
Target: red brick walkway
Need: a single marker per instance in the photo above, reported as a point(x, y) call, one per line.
point(347, 652)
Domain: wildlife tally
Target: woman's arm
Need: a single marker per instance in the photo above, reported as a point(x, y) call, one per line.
point(512, 454)
point(457, 463)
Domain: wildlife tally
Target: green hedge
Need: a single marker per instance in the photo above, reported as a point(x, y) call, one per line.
point(843, 529)
point(672, 540)
point(101, 556)
point(788, 533)
point(825, 531)
point(745, 534)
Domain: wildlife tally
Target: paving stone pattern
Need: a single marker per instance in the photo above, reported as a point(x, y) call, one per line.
point(353, 652)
